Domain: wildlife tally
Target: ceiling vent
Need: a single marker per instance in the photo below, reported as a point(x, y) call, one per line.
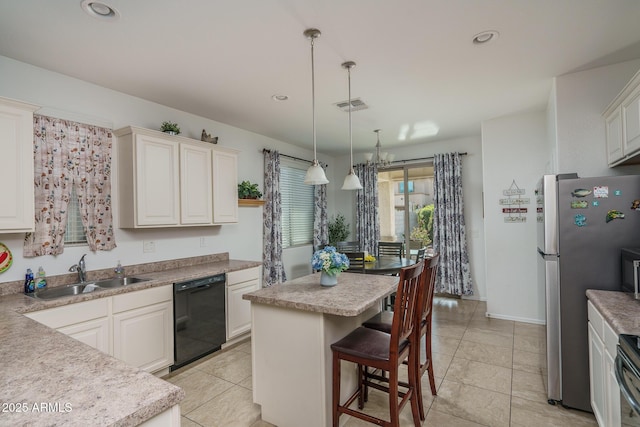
point(356, 105)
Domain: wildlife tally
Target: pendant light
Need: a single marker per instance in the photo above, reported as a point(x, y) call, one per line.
point(315, 174)
point(351, 181)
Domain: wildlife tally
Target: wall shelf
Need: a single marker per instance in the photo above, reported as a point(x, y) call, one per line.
point(250, 202)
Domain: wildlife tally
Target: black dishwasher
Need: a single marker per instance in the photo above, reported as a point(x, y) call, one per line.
point(199, 318)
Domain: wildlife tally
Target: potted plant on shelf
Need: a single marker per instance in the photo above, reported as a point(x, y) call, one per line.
point(170, 128)
point(247, 190)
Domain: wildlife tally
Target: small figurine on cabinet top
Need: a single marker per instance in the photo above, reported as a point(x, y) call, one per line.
point(206, 137)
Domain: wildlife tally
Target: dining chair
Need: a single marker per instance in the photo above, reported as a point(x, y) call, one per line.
point(345, 246)
point(356, 261)
point(391, 249)
point(383, 322)
point(420, 255)
point(371, 348)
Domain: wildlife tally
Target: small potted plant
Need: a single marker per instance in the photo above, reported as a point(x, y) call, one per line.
point(330, 263)
point(247, 190)
point(170, 128)
point(338, 229)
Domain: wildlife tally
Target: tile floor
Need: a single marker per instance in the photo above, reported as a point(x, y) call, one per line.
point(489, 372)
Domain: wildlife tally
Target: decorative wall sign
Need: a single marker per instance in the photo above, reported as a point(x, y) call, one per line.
point(513, 191)
point(617, 192)
point(515, 219)
point(515, 212)
point(5, 258)
point(519, 201)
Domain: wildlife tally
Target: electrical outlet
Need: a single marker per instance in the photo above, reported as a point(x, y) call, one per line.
point(203, 242)
point(148, 246)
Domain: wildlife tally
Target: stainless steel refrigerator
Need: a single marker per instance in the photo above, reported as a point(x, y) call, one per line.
point(582, 225)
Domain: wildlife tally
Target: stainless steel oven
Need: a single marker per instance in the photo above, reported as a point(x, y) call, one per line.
point(628, 376)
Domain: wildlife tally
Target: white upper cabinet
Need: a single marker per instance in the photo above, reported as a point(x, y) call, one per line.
point(16, 164)
point(225, 186)
point(622, 119)
point(171, 181)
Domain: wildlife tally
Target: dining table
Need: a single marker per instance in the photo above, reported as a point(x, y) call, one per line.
point(387, 265)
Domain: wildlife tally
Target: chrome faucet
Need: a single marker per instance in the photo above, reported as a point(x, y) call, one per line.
point(80, 268)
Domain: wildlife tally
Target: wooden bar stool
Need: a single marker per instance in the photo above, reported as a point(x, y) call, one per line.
point(385, 351)
point(383, 322)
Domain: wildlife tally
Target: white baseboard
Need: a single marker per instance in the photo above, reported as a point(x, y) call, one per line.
point(516, 319)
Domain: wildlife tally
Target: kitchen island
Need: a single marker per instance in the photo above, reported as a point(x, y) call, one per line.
point(293, 326)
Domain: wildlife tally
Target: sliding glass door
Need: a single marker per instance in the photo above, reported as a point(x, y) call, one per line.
point(405, 205)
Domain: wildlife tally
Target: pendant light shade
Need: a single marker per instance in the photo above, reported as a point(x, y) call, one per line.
point(351, 181)
point(315, 174)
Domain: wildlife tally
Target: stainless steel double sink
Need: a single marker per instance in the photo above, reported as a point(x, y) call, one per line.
point(84, 288)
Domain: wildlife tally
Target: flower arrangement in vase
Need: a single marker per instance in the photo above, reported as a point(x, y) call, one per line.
point(330, 263)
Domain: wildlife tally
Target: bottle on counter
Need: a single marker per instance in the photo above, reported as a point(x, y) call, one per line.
point(41, 281)
point(119, 270)
point(29, 284)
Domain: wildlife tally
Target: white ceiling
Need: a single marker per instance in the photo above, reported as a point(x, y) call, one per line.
point(416, 62)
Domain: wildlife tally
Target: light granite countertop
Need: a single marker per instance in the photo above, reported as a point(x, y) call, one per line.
point(353, 294)
point(78, 384)
point(619, 309)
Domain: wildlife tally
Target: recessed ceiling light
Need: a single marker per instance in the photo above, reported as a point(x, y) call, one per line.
point(279, 97)
point(485, 37)
point(100, 10)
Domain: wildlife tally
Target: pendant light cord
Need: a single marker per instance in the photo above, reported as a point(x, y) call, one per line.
point(350, 130)
point(313, 103)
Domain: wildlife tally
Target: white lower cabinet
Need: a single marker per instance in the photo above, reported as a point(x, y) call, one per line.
point(86, 321)
point(605, 393)
point(239, 310)
point(135, 327)
point(143, 328)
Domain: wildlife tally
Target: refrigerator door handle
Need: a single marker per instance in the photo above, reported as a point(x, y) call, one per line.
point(546, 256)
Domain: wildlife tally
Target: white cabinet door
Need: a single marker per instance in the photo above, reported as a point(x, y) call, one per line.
point(225, 186)
point(614, 136)
point(239, 310)
point(156, 181)
point(143, 337)
point(94, 333)
point(195, 185)
point(597, 376)
point(16, 164)
point(86, 321)
point(613, 390)
point(631, 109)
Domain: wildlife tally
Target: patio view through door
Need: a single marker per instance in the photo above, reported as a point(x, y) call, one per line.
point(405, 205)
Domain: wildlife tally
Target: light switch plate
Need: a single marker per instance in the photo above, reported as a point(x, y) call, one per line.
point(148, 246)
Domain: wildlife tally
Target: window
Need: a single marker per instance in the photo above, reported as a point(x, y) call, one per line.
point(297, 205)
point(74, 234)
point(401, 187)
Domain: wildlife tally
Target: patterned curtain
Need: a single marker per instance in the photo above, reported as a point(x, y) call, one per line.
point(69, 154)
point(449, 240)
point(273, 268)
point(320, 220)
point(367, 220)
